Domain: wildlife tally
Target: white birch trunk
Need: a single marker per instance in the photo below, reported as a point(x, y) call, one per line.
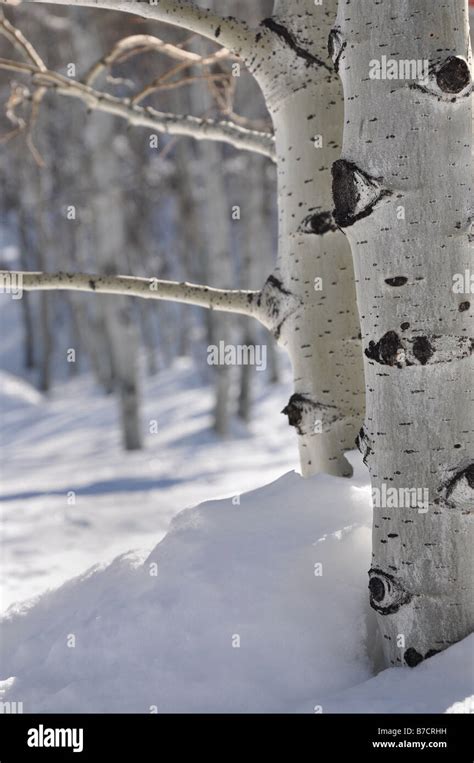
point(403, 193)
point(119, 324)
point(27, 311)
point(110, 237)
point(321, 334)
point(34, 196)
point(255, 235)
point(217, 213)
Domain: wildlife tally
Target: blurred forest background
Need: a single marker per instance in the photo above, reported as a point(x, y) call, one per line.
point(85, 192)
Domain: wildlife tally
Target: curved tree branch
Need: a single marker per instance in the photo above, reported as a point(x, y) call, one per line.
point(227, 31)
point(224, 300)
point(138, 43)
point(173, 124)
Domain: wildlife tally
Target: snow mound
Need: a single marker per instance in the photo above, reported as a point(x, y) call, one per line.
point(442, 684)
point(257, 606)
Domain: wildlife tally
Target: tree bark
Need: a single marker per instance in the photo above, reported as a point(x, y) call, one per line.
point(321, 335)
point(228, 31)
point(402, 192)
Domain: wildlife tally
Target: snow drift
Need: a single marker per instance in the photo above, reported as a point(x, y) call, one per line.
point(251, 606)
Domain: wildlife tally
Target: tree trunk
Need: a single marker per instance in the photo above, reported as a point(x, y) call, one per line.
point(220, 272)
point(27, 312)
point(217, 213)
point(254, 236)
point(319, 323)
point(273, 363)
point(402, 193)
point(44, 245)
point(110, 237)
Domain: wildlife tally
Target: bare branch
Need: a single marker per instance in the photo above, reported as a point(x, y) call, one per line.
point(172, 124)
point(140, 43)
point(227, 31)
point(159, 85)
point(24, 46)
point(272, 305)
point(223, 300)
point(21, 44)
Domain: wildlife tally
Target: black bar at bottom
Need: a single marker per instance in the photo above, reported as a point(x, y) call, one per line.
point(139, 737)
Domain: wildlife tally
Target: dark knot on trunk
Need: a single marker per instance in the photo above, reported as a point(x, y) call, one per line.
point(318, 223)
point(336, 46)
point(453, 76)
point(308, 416)
point(387, 594)
point(355, 193)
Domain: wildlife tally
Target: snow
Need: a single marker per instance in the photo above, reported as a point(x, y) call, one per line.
point(70, 497)
point(227, 615)
point(254, 599)
point(223, 571)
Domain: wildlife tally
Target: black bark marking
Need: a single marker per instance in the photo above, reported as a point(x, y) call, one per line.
point(457, 491)
point(377, 589)
point(278, 303)
point(464, 306)
point(92, 284)
point(319, 223)
point(422, 350)
point(303, 411)
point(412, 657)
point(387, 594)
point(364, 445)
point(217, 32)
point(453, 76)
point(390, 350)
point(295, 409)
point(291, 41)
point(272, 301)
point(344, 190)
point(396, 281)
point(404, 326)
point(274, 281)
point(386, 351)
point(336, 46)
point(354, 192)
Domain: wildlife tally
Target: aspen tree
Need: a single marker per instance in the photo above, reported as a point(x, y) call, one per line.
point(402, 193)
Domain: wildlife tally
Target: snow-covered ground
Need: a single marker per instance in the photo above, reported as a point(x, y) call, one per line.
point(253, 606)
point(253, 602)
point(71, 497)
